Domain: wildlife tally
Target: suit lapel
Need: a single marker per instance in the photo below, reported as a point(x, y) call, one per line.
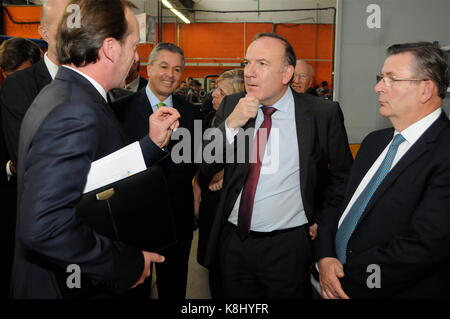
point(365, 161)
point(304, 139)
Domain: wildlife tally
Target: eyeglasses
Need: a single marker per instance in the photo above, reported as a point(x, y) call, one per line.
point(301, 75)
point(389, 80)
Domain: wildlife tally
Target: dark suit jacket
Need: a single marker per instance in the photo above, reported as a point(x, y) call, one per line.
point(405, 229)
point(133, 112)
point(17, 93)
point(68, 126)
point(324, 154)
point(142, 83)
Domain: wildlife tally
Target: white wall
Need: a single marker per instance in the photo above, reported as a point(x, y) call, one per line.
point(360, 52)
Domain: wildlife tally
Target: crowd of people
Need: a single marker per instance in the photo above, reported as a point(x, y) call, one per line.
point(294, 209)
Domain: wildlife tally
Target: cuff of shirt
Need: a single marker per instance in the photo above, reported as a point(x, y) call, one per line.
point(151, 152)
point(231, 133)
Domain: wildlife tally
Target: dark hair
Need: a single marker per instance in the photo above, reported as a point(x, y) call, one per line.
point(15, 51)
point(431, 62)
point(167, 46)
point(289, 51)
point(100, 19)
point(196, 83)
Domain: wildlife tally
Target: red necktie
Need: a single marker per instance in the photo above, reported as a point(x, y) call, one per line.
point(248, 193)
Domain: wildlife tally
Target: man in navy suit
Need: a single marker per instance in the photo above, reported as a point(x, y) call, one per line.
point(391, 237)
point(67, 127)
point(166, 64)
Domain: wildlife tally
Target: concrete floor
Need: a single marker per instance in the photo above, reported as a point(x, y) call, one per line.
point(197, 285)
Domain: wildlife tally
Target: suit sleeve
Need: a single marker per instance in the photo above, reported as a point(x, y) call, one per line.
point(339, 162)
point(55, 170)
point(15, 99)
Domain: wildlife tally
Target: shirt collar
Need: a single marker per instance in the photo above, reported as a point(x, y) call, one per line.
point(413, 132)
point(154, 100)
point(97, 85)
point(283, 103)
point(51, 67)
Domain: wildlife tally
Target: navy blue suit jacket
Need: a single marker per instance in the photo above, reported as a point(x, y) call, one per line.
point(133, 112)
point(405, 228)
point(68, 126)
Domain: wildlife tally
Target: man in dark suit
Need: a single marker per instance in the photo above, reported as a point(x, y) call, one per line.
point(20, 89)
point(15, 54)
point(67, 127)
point(391, 237)
point(261, 232)
point(166, 63)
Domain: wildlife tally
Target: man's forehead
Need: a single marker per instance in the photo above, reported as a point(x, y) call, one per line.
point(265, 48)
point(301, 66)
point(399, 61)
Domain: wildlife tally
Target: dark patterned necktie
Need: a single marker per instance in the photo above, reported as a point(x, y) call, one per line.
point(248, 193)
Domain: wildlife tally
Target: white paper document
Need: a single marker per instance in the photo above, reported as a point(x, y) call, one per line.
point(115, 166)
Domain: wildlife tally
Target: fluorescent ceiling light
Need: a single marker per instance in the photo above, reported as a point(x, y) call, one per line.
point(167, 4)
point(175, 11)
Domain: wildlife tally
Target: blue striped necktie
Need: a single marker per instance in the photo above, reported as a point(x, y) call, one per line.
point(354, 214)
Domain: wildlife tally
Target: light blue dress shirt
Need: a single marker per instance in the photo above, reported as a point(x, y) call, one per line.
point(278, 201)
point(154, 100)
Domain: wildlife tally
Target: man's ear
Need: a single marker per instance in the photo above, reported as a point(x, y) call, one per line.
point(109, 49)
point(427, 91)
point(288, 73)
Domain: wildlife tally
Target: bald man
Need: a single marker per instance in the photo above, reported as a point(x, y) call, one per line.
point(20, 89)
point(303, 77)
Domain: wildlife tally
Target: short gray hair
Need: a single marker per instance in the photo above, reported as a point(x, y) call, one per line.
point(167, 46)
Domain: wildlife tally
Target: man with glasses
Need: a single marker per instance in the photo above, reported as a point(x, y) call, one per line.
point(390, 239)
point(303, 78)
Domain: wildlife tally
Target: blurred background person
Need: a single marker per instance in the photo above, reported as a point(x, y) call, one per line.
point(207, 192)
point(193, 95)
point(182, 89)
point(17, 54)
point(303, 78)
point(323, 90)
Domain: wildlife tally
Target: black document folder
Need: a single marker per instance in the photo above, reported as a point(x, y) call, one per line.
point(135, 210)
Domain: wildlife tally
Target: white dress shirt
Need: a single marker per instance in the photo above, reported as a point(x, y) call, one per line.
point(51, 67)
point(411, 135)
point(278, 201)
